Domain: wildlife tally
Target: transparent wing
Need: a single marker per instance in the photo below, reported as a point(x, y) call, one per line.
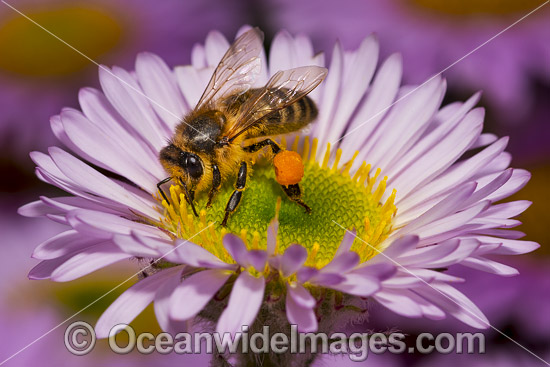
point(283, 89)
point(237, 69)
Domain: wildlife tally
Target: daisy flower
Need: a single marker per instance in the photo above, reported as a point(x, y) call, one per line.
point(431, 35)
point(37, 69)
point(397, 198)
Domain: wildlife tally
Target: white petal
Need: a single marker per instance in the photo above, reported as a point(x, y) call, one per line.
point(399, 302)
point(329, 100)
point(105, 151)
point(455, 176)
point(358, 285)
point(449, 205)
point(162, 308)
point(63, 244)
point(133, 301)
point(104, 225)
point(464, 249)
point(37, 209)
point(440, 157)
point(66, 204)
point(455, 303)
point(432, 137)
point(244, 304)
point(193, 293)
point(192, 82)
point(427, 254)
point(514, 184)
point(101, 113)
point(142, 246)
point(489, 266)
point(129, 100)
point(405, 123)
point(281, 55)
point(435, 231)
point(293, 259)
point(45, 268)
point(198, 56)
point(396, 248)
point(88, 261)
point(215, 47)
point(303, 317)
point(160, 85)
point(91, 180)
point(300, 295)
point(510, 246)
point(346, 243)
point(357, 74)
point(378, 101)
point(193, 255)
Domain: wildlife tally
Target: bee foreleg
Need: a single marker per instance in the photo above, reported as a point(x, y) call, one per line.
point(275, 148)
point(160, 188)
point(237, 194)
point(189, 196)
point(295, 194)
point(216, 184)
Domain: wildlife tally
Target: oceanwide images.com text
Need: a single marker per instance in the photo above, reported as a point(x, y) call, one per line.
point(80, 339)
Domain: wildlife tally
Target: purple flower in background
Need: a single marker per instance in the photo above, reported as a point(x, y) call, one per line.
point(440, 212)
point(39, 74)
point(432, 35)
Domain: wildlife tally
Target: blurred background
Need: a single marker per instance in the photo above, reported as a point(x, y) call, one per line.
point(39, 76)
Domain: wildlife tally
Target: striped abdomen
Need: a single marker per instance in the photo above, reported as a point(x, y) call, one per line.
point(291, 118)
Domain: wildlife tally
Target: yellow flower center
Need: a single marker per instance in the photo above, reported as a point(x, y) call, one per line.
point(353, 201)
point(29, 50)
point(474, 7)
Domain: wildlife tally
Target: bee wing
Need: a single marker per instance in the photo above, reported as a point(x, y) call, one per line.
point(283, 89)
point(237, 69)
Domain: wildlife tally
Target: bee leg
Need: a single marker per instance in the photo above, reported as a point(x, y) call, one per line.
point(295, 194)
point(216, 184)
point(275, 148)
point(160, 188)
point(189, 196)
point(235, 198)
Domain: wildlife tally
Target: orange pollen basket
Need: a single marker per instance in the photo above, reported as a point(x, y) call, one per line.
point(289, 168)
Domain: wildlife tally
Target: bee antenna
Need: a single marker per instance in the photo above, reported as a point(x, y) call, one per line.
point(189, 198)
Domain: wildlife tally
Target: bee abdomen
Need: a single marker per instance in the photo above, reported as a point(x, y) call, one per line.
point(303, 111)
point(291, 118)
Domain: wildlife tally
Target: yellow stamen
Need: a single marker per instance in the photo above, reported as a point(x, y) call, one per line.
point(380, 189)
point(243, 237)
point(283, 142)
point(256, 241)
point(348, 164)
point(313, 155)
point(326, 158)
point(359, 172)
point(305, 151)
point(337, 159)
point(313, 254)
point(295, 143)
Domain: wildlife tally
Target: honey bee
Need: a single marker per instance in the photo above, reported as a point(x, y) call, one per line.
point(210, 145)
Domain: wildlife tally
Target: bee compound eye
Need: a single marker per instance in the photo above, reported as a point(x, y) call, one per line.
point(193, 166)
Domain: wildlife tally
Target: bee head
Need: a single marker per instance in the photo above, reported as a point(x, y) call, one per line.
point(186, 166)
